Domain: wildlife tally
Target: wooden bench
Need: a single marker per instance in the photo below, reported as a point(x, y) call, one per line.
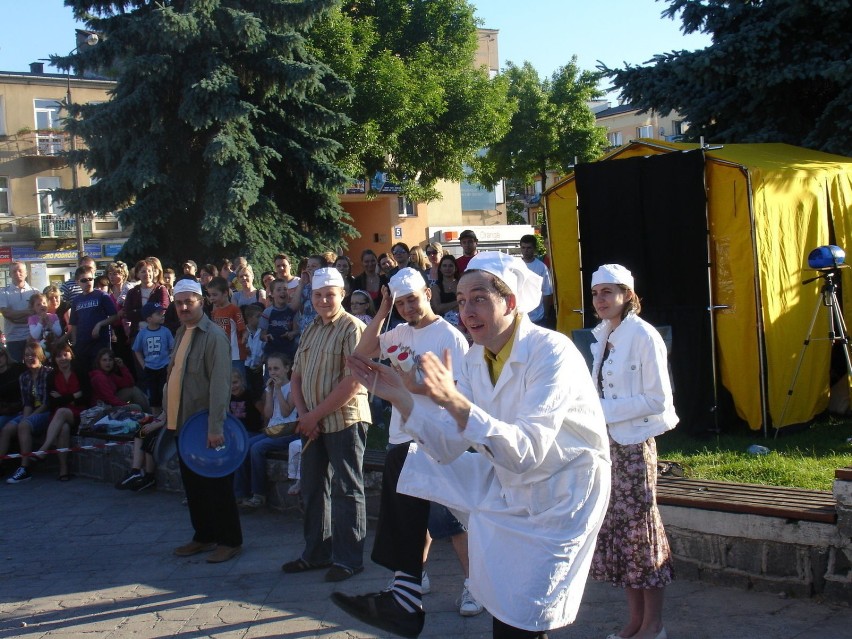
point(756, 499)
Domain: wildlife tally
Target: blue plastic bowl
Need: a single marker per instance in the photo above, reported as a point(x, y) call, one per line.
point(212, 462)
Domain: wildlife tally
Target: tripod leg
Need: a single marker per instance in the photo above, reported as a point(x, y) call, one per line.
point(799, 366)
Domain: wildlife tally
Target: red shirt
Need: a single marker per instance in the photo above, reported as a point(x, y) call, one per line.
point(66, 388)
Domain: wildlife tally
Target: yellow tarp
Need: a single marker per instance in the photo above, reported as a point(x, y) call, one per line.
point(769, 205)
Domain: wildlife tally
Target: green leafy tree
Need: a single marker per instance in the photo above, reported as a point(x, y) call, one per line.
point(218, 139)
point(776, 71)
point(421, 109)
point(552, 126)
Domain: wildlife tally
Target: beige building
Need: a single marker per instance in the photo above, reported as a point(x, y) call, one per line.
point(624, 123)
point(33, 225)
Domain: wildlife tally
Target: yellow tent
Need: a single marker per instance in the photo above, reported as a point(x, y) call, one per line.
point(767, 207)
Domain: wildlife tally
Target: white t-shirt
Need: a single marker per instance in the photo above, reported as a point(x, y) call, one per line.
point(435, 338)
point(540, 268)
point(277, 417)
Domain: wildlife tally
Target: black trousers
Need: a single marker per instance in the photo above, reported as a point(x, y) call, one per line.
point(401, 531)
point(500, 630)
point(212, 508)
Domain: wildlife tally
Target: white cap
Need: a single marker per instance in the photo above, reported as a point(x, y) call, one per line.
point(513, 272)
point(327, 277)
point(613, 274)
point(406, 280)
point(187, 285)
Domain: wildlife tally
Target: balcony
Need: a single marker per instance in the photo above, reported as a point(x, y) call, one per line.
point(59, 226)
point(47, 143)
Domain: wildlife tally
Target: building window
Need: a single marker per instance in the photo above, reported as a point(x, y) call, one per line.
point(615, 138)
point(47, 204)
point(4, 196)
point(406, 207)
point(679, 127)
point(645, 131)
point(108, 223)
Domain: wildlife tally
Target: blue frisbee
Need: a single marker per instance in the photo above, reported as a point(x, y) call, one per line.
point(212, 462)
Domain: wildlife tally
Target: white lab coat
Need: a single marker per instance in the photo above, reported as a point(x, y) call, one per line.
point(536, 491)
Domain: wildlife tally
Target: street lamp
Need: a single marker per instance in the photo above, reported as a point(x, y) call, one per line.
point(91, 40)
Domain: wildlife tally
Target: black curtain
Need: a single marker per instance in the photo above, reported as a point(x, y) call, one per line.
point(649, 214)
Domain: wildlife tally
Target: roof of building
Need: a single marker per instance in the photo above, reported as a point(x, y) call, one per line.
point(616, 110)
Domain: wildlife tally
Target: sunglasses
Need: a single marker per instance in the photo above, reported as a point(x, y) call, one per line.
point(400, 252)
point(86, 279)
point(431, 252)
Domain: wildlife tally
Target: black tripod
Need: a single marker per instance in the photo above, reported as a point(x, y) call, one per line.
point(837, 333)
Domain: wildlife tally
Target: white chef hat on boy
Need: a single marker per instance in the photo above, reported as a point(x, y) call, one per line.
point(406, 280)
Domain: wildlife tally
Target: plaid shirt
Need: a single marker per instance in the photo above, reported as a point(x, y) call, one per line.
point(34, 393)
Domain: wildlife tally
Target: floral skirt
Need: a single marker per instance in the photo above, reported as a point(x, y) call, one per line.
point(632, 550)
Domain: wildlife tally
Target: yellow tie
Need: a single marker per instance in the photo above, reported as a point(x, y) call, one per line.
point(176, 380)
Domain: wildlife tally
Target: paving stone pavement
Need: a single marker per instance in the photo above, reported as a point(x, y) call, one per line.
point(81, 559)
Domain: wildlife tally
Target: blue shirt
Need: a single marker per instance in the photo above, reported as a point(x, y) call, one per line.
point(86, 311)
point(154, 346)
point(277, 322)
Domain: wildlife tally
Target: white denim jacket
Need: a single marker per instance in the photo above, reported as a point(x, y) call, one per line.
point(636, 390)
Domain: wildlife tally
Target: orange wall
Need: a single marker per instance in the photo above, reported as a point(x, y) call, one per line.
point(376, 221)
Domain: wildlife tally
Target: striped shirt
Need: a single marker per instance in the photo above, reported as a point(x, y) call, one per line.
point(321, 363)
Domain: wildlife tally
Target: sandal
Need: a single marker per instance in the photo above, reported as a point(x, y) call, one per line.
point(300, 565)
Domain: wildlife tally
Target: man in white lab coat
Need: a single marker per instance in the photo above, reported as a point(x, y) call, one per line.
point(536, 490)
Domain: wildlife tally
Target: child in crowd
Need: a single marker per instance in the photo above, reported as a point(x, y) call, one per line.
point(229, 317)
point(278, 408)
point(45, 327)
point(102, 283)
point(254, 344)
point(66, 401)
point(143, 470)
point(243, 405)
point(113, 384)
point(278, 329)
point(152, 349)
point(362, 306)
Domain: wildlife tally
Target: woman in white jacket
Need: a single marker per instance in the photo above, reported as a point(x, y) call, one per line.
point(630, 370)
point(535, 491)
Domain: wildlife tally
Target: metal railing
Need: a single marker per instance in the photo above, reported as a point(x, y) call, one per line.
point(61, 226)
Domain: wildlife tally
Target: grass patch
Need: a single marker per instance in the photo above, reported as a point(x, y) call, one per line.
point(804, 459)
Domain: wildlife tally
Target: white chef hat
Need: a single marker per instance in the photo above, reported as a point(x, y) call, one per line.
point(187, 285)
point(613, 274)
point(329, 276)
point(406, 280)
point(513, 272)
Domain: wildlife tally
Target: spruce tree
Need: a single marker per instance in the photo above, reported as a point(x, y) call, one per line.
point(218, 139)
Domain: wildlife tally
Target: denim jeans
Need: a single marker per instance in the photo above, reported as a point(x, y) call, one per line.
point(333, 493)
point(250, 477)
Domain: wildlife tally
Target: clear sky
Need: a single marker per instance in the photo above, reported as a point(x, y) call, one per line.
point(545, 32)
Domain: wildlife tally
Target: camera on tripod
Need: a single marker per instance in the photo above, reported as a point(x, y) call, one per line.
point(826, 258)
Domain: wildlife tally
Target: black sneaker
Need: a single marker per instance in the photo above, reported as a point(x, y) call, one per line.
point(19, 476)
point(142, 483)
point(128, 480)
point(381, 610)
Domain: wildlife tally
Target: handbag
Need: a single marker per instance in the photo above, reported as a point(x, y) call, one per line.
point(282, 429)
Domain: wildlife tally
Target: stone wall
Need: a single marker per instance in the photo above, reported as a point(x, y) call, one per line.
point(798, 558)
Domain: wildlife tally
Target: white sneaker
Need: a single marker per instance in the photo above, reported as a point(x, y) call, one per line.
point(468, 606)
point(295, 488)
point(256, 501)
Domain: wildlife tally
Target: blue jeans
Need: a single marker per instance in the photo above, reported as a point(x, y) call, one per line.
point(333, 492)
point(250, 478)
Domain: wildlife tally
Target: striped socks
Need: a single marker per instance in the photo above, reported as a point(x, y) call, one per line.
point(407, 591)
